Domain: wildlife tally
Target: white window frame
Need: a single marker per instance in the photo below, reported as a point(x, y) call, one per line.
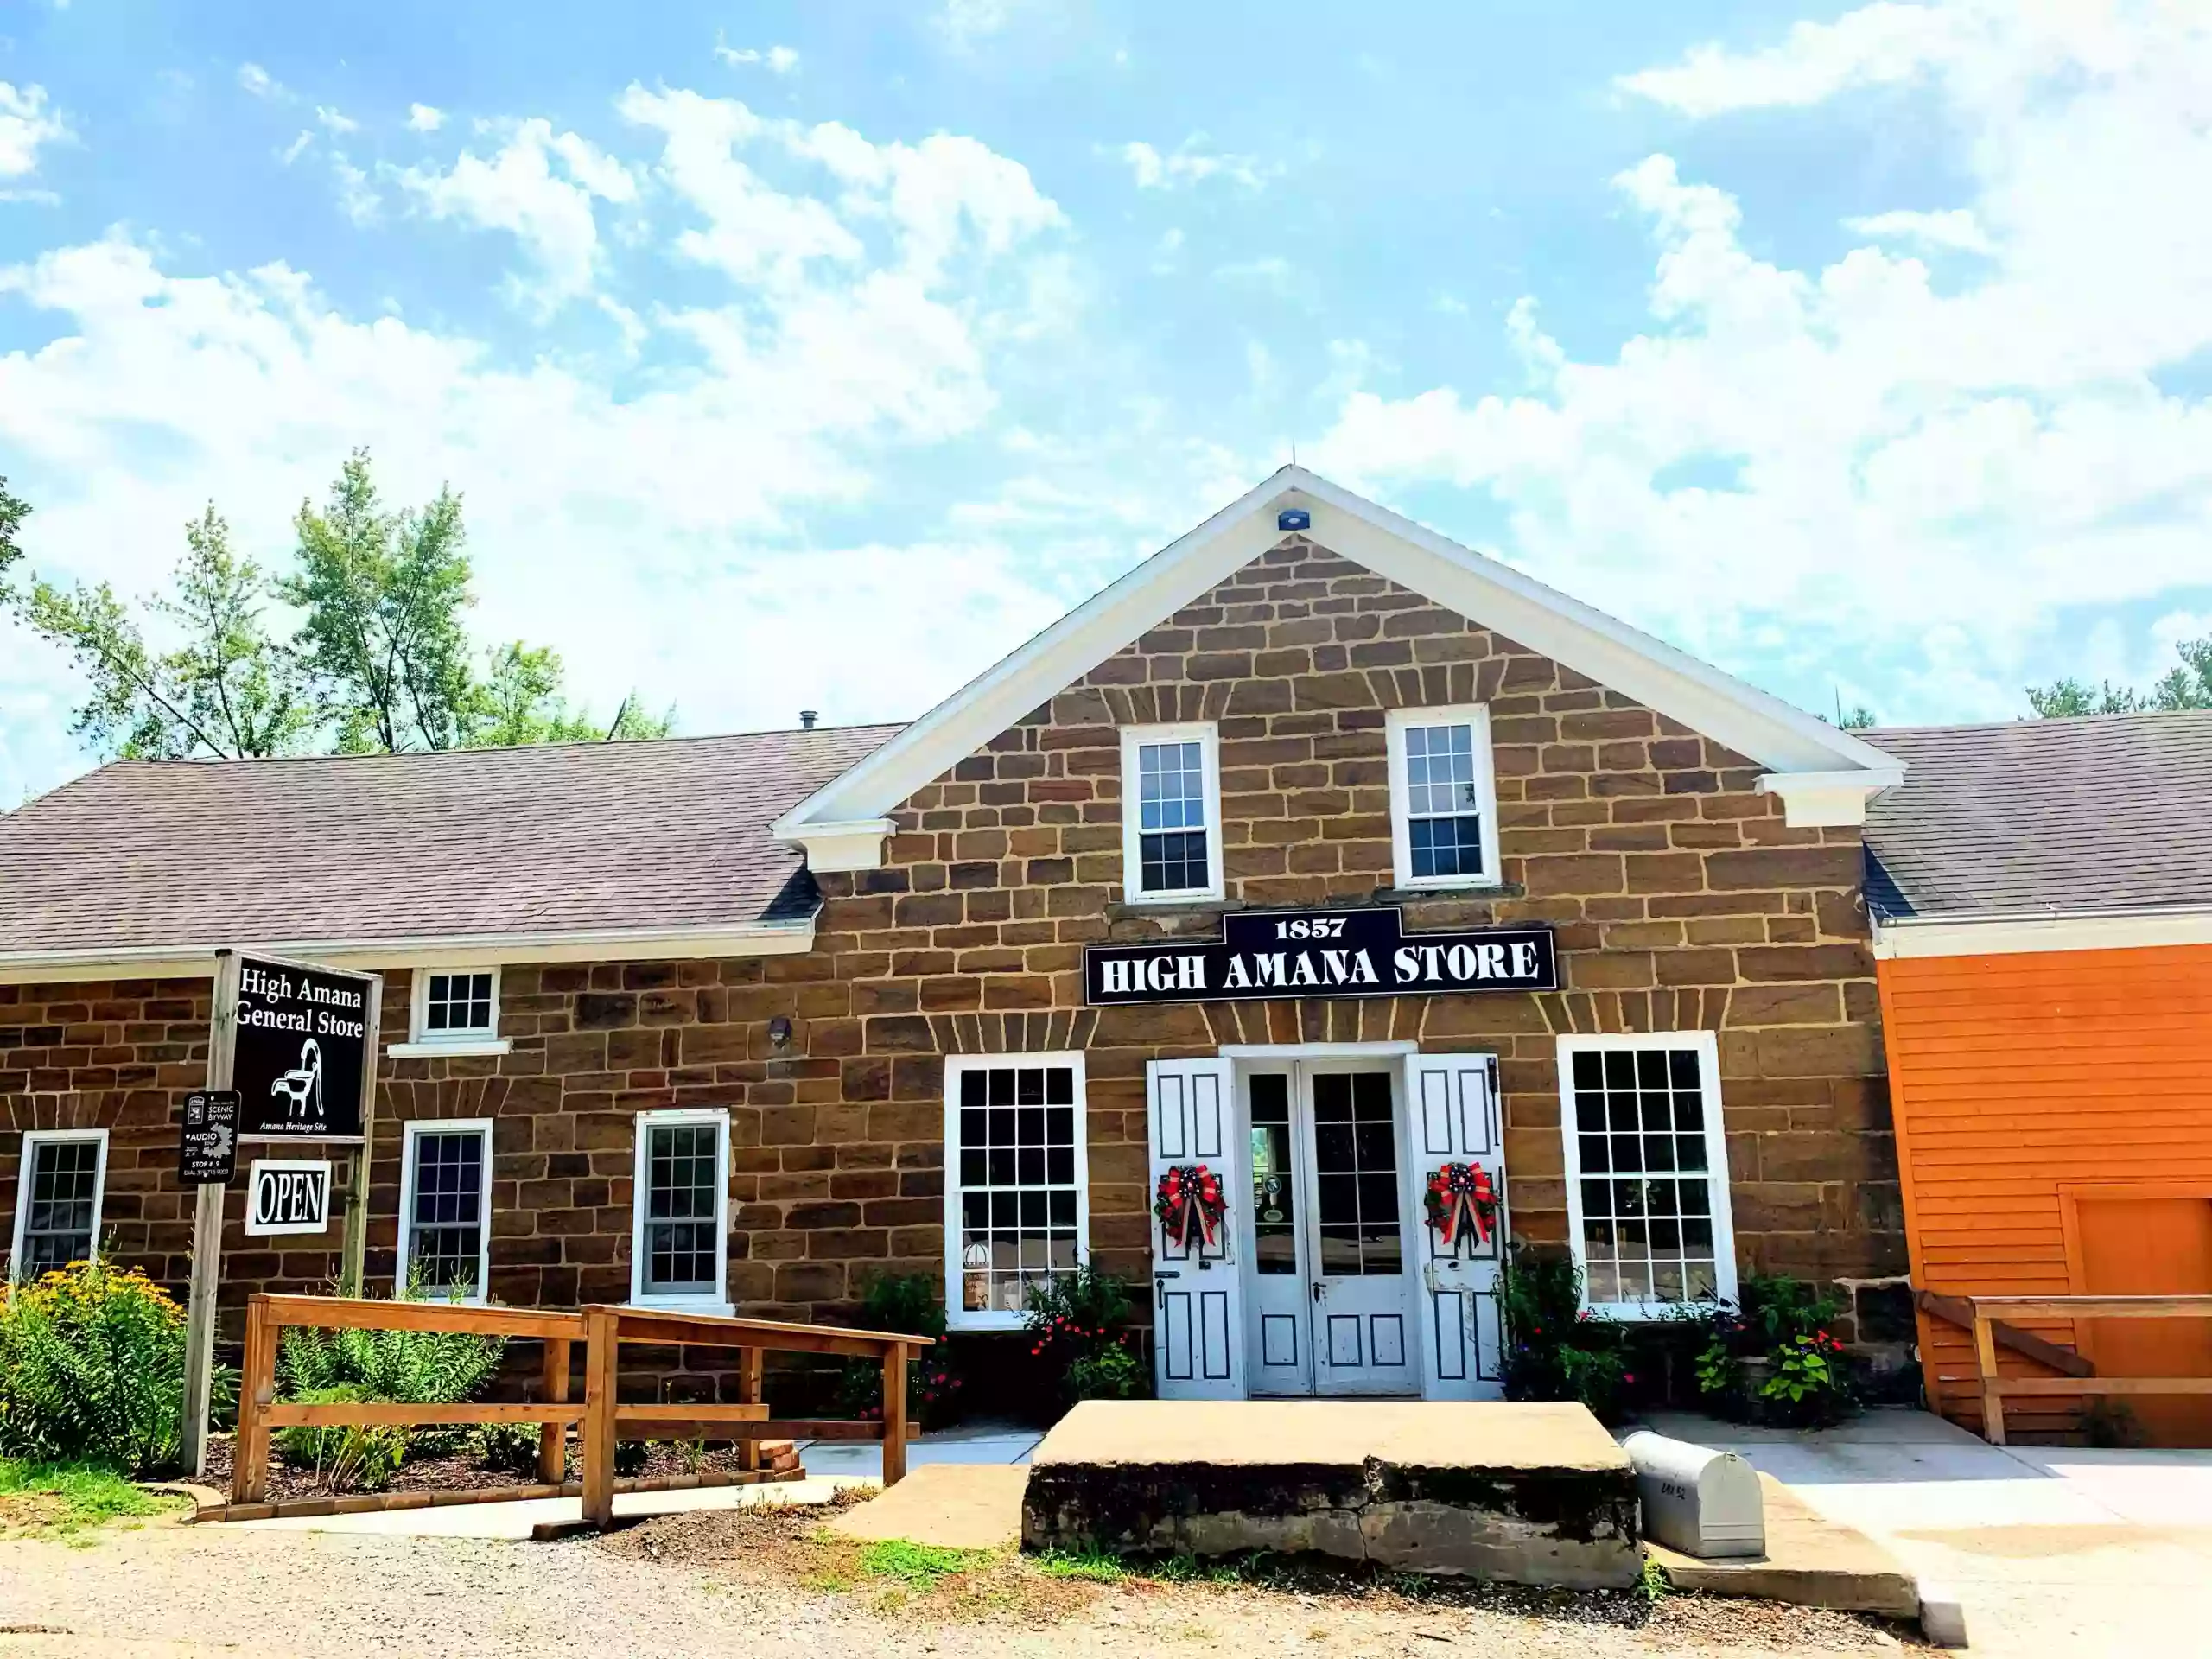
point(706, 1302)
point(422, 1042)
point(1207, 736)
point(1395, 726)
point(1716, 1157)
point(414, 1129)
point(957, 1318)
point(36, 1138)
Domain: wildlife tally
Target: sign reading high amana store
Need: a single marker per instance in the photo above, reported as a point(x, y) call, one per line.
point(1323, 953)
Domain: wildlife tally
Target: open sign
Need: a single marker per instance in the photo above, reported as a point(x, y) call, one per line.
point(285, 1195)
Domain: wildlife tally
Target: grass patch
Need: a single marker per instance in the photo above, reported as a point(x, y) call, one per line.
point(1092, 1565)
point(60, 1499)
point(920, 1567)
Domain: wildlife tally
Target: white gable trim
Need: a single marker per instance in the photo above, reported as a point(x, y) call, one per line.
point(1622, 658)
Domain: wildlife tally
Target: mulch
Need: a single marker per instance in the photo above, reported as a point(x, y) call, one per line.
point(454, 1471)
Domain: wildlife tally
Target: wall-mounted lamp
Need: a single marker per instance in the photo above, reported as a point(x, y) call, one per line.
point(780, 1031)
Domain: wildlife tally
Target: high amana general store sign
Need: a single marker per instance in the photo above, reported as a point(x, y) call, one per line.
point(1354, 952)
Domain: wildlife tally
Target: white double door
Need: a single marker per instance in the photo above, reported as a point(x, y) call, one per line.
point(1330, 1307)
point(1325, 1277)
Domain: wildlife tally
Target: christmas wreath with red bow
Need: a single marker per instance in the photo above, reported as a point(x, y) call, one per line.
point(1188, 1202)
point(1459, 1195)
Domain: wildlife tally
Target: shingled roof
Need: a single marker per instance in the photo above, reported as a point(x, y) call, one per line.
point(597, 839)
point(2101, 813)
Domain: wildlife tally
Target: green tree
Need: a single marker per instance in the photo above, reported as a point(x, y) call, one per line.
point(520, 701)
point(13, 511)
point(2187, 685)
point(382, 593)
point(229, 690)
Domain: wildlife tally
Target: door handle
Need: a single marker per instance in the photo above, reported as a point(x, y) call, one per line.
point(1320, 1290)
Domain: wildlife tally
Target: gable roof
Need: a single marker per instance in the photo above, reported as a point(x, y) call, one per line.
point(1786, 739)
point(150, 865)
point(2098, 814)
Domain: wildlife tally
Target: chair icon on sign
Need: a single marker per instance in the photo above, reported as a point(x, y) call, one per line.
point(303, 1085)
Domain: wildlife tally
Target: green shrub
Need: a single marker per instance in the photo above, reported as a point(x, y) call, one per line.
point(510, 1448)
point(1078, 1335)
point(1773, 1359)
point(419, 1368)
point(343, 1457)
point(906, 1304)
point(1556, 1349)
point(92, 1369)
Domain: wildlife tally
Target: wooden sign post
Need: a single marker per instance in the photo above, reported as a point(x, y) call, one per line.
point(207, 1231)
point(298, 1042)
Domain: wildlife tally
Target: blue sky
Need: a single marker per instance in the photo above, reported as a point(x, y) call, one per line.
point(813, 356)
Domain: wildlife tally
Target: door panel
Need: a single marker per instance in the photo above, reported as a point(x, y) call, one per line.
point(1453, 1117)
point(2149, 1247)
point(1198, 1302)
point(1280, 1359)
point(1359, 1282)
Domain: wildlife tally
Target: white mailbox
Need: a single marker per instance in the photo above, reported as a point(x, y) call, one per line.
point(1701, 1502)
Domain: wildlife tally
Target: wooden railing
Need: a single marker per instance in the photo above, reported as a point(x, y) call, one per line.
point(1990, 1318)
point(601, 1420)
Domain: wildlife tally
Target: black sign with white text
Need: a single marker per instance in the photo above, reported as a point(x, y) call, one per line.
point(287, 1196)
point(1322, 953)
point(207, 1142)
point(303, 1040)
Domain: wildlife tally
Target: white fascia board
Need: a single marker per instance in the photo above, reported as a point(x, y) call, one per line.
point(1048, 664)
point(2005, 936)
point(1824, 800)
point(1497, 596)
point(453, 950)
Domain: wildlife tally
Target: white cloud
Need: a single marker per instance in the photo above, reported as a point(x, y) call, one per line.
point(423, 118)
point(1875, 462)
point(654, 527)
point(28, 122)
point(356, 198)
point(336, 120)
point(298, 148)
point(547, 207)
point(968, 21)
point(1952, 227)
point(1189, 163)
point(1876, 45)
point(777, 59)
point(258, 81)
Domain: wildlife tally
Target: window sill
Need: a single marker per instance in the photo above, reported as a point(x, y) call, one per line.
point(961, 1319)
point(713, 1304)
point(474, 1046)
point(1467, 889)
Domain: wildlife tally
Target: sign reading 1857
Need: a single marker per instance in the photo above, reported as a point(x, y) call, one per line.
point(1362, 952)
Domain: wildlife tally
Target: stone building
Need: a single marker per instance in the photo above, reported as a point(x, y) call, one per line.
point(1318, 851)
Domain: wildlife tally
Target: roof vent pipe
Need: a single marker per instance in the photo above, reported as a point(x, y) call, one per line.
point(806, 719)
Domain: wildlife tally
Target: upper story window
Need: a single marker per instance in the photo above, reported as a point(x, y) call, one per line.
point(455, 1008)
point(1443, 799)
point(58, 1200)
point(1171, 812)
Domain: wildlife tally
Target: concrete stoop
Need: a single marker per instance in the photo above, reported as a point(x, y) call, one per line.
point(1535, 1494)
point(1810, 1561)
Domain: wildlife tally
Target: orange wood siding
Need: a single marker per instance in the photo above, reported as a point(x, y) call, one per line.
point(2014, 1076)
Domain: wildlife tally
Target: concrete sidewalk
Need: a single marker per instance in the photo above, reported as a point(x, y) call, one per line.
point(2051, 1550)
point(969, 1443)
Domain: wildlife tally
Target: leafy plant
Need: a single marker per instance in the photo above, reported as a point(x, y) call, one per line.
point(414, 1367)
point(906, 1304)
point(344, 1457)
point(1804, 1368)
point(1556, 1349)
point(1077, 1327)
point(1781, 1333)
point(91, 1368)
point(510, 1448)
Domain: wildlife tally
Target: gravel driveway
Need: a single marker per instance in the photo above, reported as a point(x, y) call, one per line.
point(710, 1583)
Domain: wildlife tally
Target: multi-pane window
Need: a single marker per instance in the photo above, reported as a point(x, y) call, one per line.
point(1275, 1179)
point(1440, 793)
point(58, 1204)
point(680, 1188)
point(1014, 1134)
point(444, 1206)
point(1170, 836)
point(1649, 1170)
point(459, 1005)
point(1356, 1174)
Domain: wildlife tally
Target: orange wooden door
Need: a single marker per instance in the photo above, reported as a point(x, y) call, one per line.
point(2144, 1247)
